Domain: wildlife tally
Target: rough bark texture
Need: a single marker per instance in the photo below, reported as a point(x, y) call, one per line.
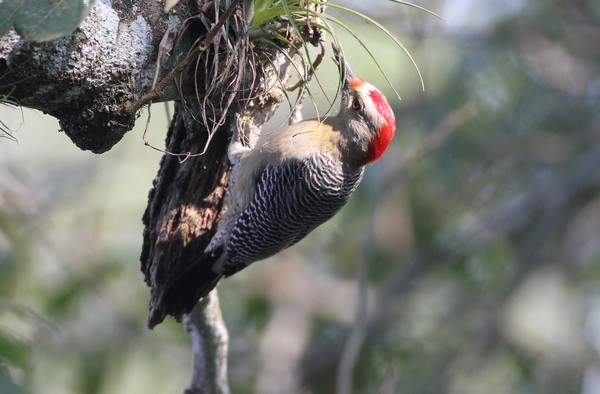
point(86, 79)
point(183, 205)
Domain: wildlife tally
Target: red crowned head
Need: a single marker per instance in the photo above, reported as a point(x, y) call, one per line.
point(368, 115)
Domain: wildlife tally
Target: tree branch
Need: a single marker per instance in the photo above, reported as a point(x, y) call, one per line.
point(209, 343)
point(84, 78)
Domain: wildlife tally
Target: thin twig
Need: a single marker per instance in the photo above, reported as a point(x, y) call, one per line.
point(209, 343)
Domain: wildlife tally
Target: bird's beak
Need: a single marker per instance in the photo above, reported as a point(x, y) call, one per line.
point(349, 76)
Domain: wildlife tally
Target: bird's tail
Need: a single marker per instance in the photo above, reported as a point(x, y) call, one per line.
point(183, 293)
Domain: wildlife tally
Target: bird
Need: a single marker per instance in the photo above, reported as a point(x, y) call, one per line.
point(292, 180)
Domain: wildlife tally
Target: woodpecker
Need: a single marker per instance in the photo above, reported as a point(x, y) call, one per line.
point(290, 182)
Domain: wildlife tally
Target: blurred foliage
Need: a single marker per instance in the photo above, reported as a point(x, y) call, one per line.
point(483, 250)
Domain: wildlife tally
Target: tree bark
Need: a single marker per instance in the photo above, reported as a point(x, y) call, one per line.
point(183, 204)
point(87, 79)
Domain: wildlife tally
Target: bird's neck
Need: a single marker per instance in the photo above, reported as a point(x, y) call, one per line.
point(354, 140)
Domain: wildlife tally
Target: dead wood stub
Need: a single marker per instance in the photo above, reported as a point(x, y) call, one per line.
point(182, 206)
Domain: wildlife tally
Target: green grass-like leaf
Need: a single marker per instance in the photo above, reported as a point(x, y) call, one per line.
point(366, 48)
point(418, 7)
point(266, 10)
point(380, 27)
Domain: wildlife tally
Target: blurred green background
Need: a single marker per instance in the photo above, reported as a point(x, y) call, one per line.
point(480, 226)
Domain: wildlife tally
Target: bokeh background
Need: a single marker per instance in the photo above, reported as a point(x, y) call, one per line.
point(478, 233)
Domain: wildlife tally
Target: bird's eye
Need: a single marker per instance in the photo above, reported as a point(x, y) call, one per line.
point(356, 104)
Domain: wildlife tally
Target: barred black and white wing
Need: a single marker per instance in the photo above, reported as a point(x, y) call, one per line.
point(290, 200)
